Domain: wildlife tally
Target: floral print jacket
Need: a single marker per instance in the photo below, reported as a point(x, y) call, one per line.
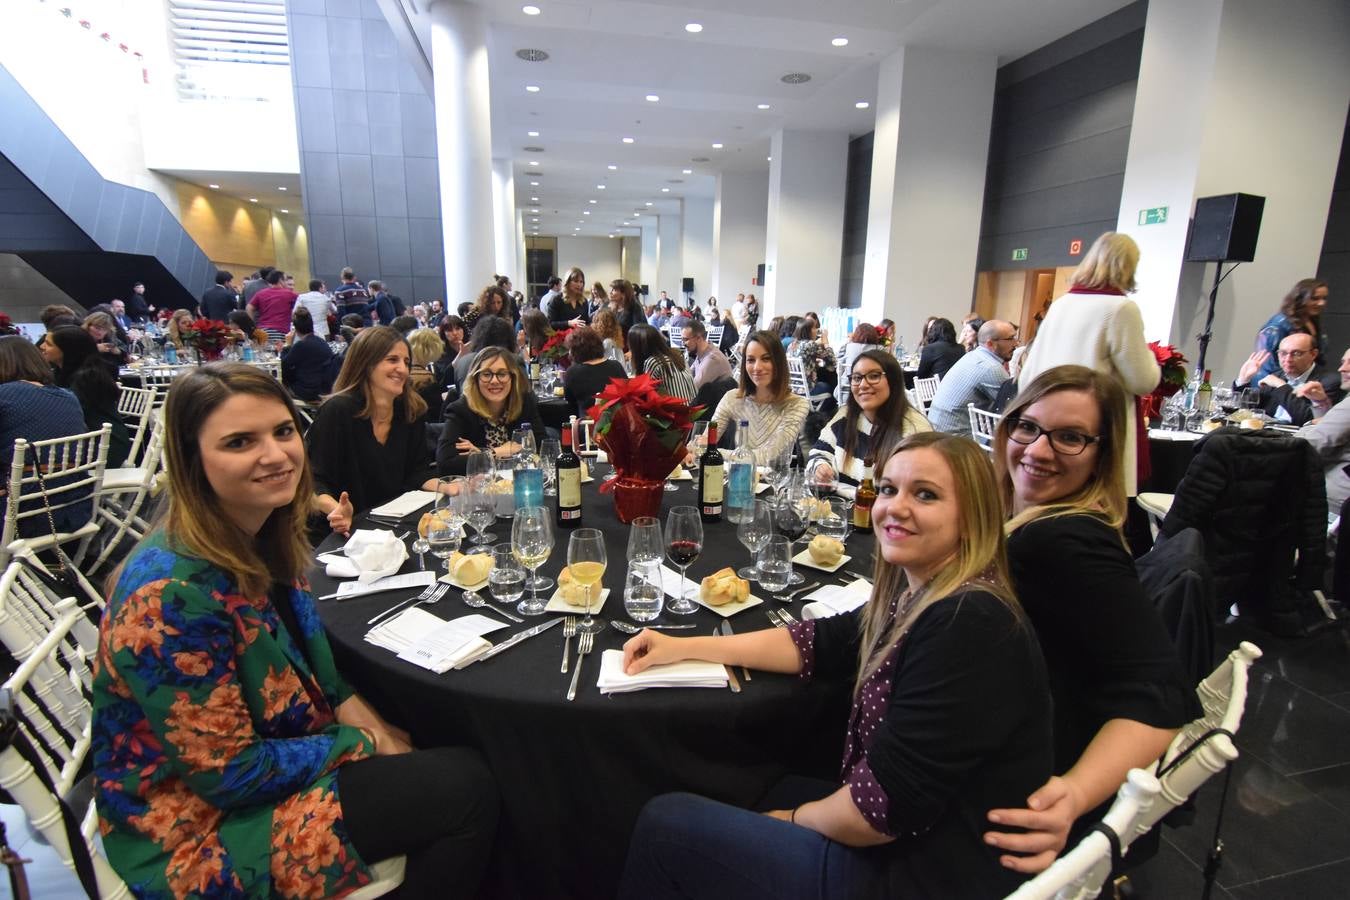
point(215, 744)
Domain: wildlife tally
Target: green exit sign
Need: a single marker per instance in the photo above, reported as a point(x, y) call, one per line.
point(1019, 254)
point(1155, 215)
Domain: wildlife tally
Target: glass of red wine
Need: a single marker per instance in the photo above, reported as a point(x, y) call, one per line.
point(684, 543)
point(792, 517)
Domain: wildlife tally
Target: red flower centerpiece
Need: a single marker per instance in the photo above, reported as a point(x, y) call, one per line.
point(555, 349)
point(207, 337)
point(644, 433)
point(1173, 378)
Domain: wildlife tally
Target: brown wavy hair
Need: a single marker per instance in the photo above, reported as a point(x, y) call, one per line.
point(1295, 304)
point(371, 346)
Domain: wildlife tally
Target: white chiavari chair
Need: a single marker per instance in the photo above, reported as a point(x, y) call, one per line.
point(983, 424)
point(126, 492)
point(926, 389)
point(53, 475)
point(134, 406)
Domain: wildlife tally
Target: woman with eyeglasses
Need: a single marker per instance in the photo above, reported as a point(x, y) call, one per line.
point(494, 403)
point(1120, 694)
point(876, 416)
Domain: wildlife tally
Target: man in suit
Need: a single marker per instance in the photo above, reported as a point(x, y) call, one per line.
point(1305, 387)
point(220, 299)
point(119, 314)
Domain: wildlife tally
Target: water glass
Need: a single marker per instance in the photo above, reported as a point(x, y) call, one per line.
point(548, 461)
point(644, 540)
point(443, 540)
point(1171, 416)
point(643, 596)
point(835, 522)
point(506, 581)
point(775, 564)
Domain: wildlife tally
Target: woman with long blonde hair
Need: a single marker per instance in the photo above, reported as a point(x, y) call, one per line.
point(950, 709)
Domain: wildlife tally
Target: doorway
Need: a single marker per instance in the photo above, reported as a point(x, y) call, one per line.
point(540, 261)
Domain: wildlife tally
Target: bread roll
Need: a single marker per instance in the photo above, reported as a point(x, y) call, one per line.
point(825, 550)
point(575, 594)
point(723, 587)
point(470, 568)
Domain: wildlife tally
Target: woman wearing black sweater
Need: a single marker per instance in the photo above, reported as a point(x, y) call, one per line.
point(940, 350)
point(494, 402)
point(76, 365)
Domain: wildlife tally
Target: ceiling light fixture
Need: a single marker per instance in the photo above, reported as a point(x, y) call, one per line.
point(686, 171)
point(762, 106)
point(612, 168)
point(534, 184)
point(252, 199)
point(280, 188)
point(665, 190)
point(214, 187)
point(649, 203)
point(532, 134)
point(534, 162)
point(840, 42)
point(593, 201)
point(768, 159)
point(628, 140)
point(693, 28)
point(653, 98)
point(861, 104)
point(287, 211)
point(599, 187)
point(534, 199)
point(532, 88)
point(585, 212)
point(530, 10)
point(717, 146)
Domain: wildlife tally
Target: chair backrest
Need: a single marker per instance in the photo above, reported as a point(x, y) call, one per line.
point(134, 406)
point(53, 709)
point(583, 438)
point(715, 335)
point(676, 337)
point(1080, 873)
point(983, 424)
point(68, 470)
point(797, 377)
point(29, 609)
point(926, 389)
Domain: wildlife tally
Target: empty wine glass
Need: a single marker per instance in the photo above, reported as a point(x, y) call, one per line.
point(586, 561)
point(754, 533)
point(481, 506)
point(548, 461)
point(835, 522)
point(644, 540)
point(443, 539)
point(481, 468)
point(780, 470)
point(684, 543)
point(506, 581)
point(532, 541)
point(775, 564)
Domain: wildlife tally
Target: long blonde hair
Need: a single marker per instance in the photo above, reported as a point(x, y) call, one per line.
point(1109, 263)
point(1104, 493)
point(980, 559)
point(515, 402)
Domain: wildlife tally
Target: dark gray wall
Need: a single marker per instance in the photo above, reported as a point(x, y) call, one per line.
point(367, 133)
point(857, 201)
point(1334, 265)
point(1061, 132)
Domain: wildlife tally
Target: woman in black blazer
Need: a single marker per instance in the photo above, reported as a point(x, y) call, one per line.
point(494, 402)
point(941, 351)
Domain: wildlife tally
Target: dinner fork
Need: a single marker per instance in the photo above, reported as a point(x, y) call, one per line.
point(569, 632)
point(434, 592)
point(772, 615)
point(786, 617)
point(585, 642)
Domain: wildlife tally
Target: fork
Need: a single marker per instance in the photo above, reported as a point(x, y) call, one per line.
point(434, 591)
point(792, 595)
point(569, 632)
point(585, 642)
point(772, 615)
point(786, 617)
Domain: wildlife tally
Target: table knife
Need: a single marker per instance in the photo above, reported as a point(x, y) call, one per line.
point(517, 638)
point(731, 676)
point(726, 630)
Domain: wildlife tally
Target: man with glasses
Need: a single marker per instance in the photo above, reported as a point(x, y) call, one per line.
point(976, 378)
point(1303, 390)
point(707, 362)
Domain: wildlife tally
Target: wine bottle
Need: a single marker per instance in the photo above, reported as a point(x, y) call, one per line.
point(568, 468)
point(1204, 396)
point(710, 481)
point(865, 497)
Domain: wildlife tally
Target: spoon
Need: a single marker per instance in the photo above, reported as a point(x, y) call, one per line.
point(475, 599)
point(628, 628)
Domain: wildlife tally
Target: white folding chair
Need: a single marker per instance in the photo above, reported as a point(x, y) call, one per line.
point(1157, 506)
point(158, 379)
point(53, 474)
point(125, 493)
point(1080, 873)
point(913, 400)
point(134, 405)
point(676, 337)
point(583, 438)
point(797, 384)
point(983, 424)
point(926, 389)
point(715, 335)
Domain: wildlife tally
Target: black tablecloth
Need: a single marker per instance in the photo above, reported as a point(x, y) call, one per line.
point(1167, 461)
point(573, 776)
point(555, 411)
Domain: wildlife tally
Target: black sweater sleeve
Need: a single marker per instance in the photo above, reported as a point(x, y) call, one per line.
point(330, 441)
point(460, 422)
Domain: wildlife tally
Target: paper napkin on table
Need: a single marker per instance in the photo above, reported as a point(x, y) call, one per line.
point(835, 599)
point(426, 640)
point(689, 673)
point(371, 554)
point(405, 504)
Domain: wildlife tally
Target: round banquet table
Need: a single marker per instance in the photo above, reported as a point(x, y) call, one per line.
point(574, 776)
point(555, 411)
point(1170, 453)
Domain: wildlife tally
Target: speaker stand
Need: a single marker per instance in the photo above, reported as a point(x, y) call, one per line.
point(1208, 333)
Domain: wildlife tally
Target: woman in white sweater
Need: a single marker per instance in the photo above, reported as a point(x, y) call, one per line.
point(764, 400)
point(1095, 325)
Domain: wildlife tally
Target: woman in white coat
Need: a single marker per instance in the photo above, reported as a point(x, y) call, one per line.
point(1097, 326)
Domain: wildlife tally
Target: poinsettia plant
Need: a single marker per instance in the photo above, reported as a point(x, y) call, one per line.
point(1173, 368)
point(208, 336)
point(554, 349)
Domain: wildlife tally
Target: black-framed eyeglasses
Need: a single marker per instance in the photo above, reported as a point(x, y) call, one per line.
point(874, 377)
point(494, 376)
point(1062, 440)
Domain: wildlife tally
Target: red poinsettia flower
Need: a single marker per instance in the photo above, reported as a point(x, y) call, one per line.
point(643, 432)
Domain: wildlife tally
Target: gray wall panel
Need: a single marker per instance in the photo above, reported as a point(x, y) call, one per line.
point(363, 246)
point(350, 9)
point(327, 246)
point(129, 223)
point(306, 7)
point(424, 189)
point(1084, 201)
point(321, 182)
point(401, 286)
point(110, 202)
point(428, 253)
point(308, 40)
point(382, 57)
point(83, 208)
point(419, 125)
point(351, 121)
point(358, 190)
point(346, 54)
point(427, 288)
point(1093, 157)
point(1110, 109)
point(391, 198)
point(1334, 264)
point(315, 118)
point(395, 254)
point(58, 180)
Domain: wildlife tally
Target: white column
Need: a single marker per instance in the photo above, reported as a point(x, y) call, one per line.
point(930, 152)
point(630, 258)
point(651, 256)
point(523, 284)
point(804, 235)
point(697, 244)
point(740, 215)
point(504, 220)
point(1206, 122)
point(463, 144)
point(670, 264)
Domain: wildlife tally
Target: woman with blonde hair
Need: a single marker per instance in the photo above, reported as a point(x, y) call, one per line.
point(234, 760)
point(178, 321)
point(941, 644)
point(606, 325)
point(426, 346)
point(368, 443)
point(568, 309)
point(764, 400)
point(1097, 326)
point(1120, 694)
point(494, 400)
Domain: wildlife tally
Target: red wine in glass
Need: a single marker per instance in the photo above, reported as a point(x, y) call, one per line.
point(682, 553)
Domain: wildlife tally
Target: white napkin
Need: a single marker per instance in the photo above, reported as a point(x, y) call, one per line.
point(428, 641)
point(372, 553)
point(833, 600)
point(689, 673)
point(405, 504)
point(670, 579)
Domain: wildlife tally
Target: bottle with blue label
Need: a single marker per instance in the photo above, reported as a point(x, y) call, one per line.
point(170, 353)
point(528, 477)
point(740, 500)
point(247, 355)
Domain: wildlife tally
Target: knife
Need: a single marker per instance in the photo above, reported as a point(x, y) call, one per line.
point(731, 676)
point(726, 630)
point(517, 638)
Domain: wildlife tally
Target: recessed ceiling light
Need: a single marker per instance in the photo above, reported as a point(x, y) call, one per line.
point(534, 199)
point(599, 187)
point(861, 104)
point(214, 187)
point(593, 201)
point(665, 190)
point(762, 106)
point(585, 212)
point(840, 42)
point(532, 88)
point(252, 199)
point(627, 223)
point(653, 98)
point(611, 235)
point(534, 184)
point(534, 162)
point(693, 28)
point(530, 10)
point(636, 214)
point(686, 171)
point(532, 134)
point(628, 140)
point(649, 203)
point(612, 168)
point(286, 211)
point(717, 146)
point(768, 159)
point(280, 188)
point(534, 220)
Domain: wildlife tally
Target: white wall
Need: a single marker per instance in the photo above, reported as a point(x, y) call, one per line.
point(740, 217)
point(670, 258)
point(632, 257)
point(698, 246)
point(598, 257)
point(651, 257)
point(805, 227)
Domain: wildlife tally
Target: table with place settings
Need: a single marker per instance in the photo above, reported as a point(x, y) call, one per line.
point(573, 776)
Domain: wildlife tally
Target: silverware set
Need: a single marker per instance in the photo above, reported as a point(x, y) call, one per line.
point(780, 618)
point(630, 628)
point(478, 601)
point(585, 643)
point(432, 594)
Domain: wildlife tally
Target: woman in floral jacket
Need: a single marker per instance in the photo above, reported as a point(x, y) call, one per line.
point(230, 757)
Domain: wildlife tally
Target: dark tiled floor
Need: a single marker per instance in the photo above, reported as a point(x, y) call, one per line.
point(1286, 826)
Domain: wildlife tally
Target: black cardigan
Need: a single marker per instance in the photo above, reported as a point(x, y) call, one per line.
point(937, 359)
point(346, 457)
point(462, 422)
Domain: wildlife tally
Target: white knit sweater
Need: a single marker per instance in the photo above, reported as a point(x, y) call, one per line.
point(773, 426)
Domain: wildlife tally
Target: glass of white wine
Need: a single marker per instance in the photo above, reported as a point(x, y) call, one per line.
point(586, 563)
point(532, 542)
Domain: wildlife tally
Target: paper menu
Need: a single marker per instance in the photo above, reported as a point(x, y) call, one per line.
point(832, 600)
point(444, 644)
point(388, 583)
point(405, 504)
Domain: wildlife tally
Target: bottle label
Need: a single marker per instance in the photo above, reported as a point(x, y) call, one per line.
point(712, 487)
point(862, 517)
point(569, 491)
point(740, 484)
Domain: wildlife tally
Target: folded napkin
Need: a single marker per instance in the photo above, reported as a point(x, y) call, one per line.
point(404, 504)
point(371, 553)
point(690, 673)
point(426, 640)
point(833, 600)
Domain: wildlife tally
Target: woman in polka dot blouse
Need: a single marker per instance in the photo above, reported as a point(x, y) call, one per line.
point(951, 709)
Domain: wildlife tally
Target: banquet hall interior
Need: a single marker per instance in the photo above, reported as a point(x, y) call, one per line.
point(666, 188)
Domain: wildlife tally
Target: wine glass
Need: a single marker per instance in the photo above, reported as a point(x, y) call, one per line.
point(780, 470)
point(754, 533)
point(548, 461)
point(835, 522)
point(823, 481)
point(481, 468)
point(684, 543)
point(775, 564)
point(506, 581)
point(1251, 399)
point(792, 516)
point(481, 506)
point(532, 541)
point(446, 507)
point(642, 594)
point(644, 540)
point(586, 564)
point(443, 539)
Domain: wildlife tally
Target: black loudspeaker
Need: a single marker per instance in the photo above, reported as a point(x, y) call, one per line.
point(640, 289)
point(1225, 228)
point(688, 287)
point(759, 272)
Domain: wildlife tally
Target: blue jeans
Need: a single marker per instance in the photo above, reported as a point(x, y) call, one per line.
point(686, 846)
